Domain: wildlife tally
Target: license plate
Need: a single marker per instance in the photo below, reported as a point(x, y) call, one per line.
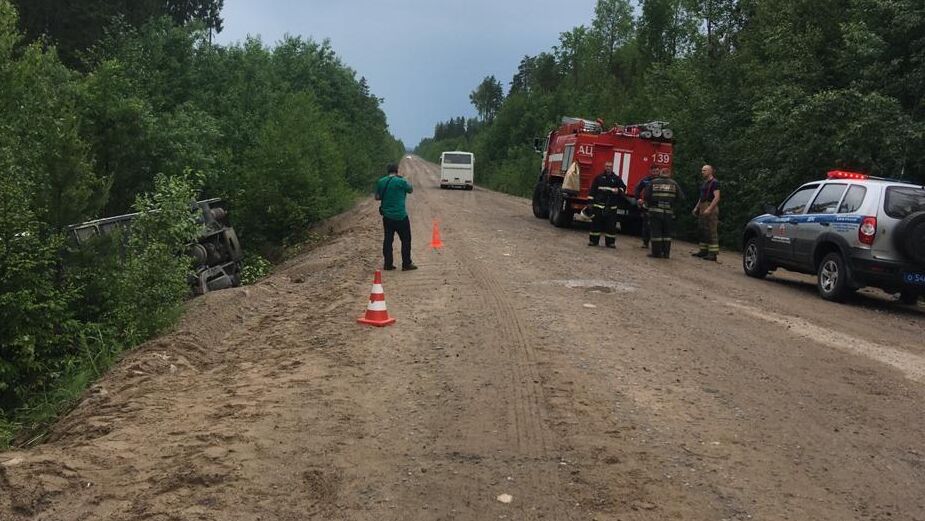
point(914, 279)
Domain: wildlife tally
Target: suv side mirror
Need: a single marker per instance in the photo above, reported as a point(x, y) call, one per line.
point(538, 145)
point(770, 209)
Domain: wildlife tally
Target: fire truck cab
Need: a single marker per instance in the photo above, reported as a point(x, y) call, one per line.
point(632, 148)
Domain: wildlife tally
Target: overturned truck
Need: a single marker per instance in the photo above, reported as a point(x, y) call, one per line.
point(217, 255)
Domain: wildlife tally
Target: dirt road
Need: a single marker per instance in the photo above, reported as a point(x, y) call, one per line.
point(584, 383)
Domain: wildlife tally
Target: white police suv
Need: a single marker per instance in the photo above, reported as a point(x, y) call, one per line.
point(850, 230)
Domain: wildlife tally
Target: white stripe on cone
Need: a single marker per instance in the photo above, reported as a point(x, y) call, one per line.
point(377, 289)
point(376, 305)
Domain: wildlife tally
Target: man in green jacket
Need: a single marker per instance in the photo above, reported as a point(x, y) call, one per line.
point(391, 190)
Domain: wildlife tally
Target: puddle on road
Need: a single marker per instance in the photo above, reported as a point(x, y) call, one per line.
point(600, 286)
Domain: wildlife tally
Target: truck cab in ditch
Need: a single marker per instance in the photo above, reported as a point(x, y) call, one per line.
point(217, 255)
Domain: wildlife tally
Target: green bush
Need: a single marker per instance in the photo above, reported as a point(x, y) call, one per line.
point(255, 268)
point(267, 127)
point(151, 282)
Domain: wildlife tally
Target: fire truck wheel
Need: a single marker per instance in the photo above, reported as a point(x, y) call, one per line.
point(553, 207)
point(540, 201)
point(559, 217)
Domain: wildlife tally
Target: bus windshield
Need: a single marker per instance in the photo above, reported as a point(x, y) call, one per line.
point(457, 159)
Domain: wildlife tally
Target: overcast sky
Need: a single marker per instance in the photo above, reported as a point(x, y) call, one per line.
point(423, 56)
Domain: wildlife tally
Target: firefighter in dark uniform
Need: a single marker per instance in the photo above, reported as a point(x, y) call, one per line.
point(660, 197)
point(638, 192)
point(606, 192)
point(707, 214)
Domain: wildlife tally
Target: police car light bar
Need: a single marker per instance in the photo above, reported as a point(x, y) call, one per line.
point(842, 174)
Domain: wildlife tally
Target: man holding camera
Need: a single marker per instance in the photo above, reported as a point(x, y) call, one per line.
point(392, 190)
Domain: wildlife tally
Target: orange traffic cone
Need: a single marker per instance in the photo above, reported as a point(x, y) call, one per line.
point(376, 314)
point(435, 241)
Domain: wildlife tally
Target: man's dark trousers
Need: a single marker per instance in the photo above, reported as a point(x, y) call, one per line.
point(662, 224)
point(604, 222)
point(403, 228)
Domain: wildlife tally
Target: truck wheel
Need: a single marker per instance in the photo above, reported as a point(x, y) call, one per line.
point(909, 297)
point(832, 278)
point(232, 244)
point(753, 261)
point(559, 217)
point(540, 201)
point(553, 205)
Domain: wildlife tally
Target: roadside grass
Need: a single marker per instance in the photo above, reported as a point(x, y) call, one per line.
point(31, 423)
point(100, 349)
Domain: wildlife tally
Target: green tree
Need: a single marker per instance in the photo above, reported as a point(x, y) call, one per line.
point(293, 176)
point(38, 103)
point(613, 25)
point(487, 98)
point(206, 11)
point(75, 27)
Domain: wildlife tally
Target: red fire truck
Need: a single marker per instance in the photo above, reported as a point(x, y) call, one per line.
point(632, 148)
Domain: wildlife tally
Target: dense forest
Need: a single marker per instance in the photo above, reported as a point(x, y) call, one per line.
point(771, 92)
point(108, 107)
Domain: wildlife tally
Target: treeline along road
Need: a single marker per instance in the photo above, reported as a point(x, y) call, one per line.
point(583, 383)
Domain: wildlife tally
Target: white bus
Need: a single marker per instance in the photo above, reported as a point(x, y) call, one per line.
point(457, 169)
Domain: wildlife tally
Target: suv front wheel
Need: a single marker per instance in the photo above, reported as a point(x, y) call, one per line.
point(753, 259)
point(832, 278)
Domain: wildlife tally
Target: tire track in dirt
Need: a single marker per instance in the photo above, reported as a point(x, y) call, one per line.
point(528, 429)
point(530, 433)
